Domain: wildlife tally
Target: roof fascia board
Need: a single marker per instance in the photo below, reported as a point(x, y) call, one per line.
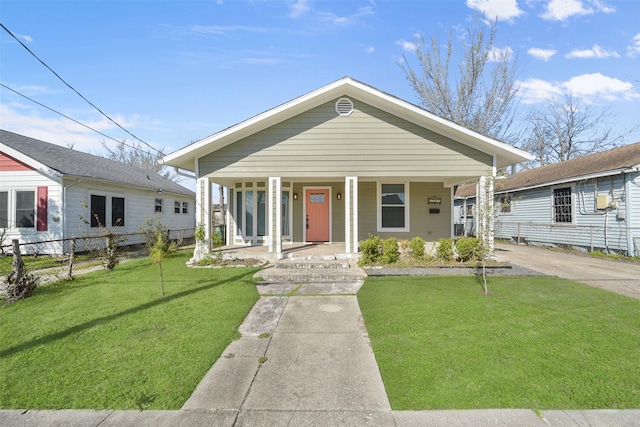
point(257, 123)
point(365, 93)
point(29, 161)
point(446, 127)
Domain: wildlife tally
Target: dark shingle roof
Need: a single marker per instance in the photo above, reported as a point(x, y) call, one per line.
point(74, 163)
point(625, 157)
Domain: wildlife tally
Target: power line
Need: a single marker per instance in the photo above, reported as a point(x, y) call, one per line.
point(74, 120)
point(73, 89)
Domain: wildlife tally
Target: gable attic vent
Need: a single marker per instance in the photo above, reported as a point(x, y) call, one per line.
point(344, 106)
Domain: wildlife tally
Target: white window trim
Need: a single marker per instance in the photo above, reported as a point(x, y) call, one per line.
point(573, 206)
point(12, 205)
point(108, 206)
point(407, 210)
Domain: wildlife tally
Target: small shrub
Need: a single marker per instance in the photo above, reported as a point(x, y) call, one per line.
point(390, 253)
point(468, 249)
point(417, 247)
point(371, 250)
point(444, 250)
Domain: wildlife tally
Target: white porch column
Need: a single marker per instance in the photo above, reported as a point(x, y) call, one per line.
point(485, 213)
point(275, 216)
point(203, 216)
point(351, 214)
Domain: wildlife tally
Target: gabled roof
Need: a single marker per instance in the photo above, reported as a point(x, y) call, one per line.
point(56, 161)
point(605, 163)
point(505, 154)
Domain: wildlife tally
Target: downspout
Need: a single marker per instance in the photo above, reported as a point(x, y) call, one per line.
point(629, 218)
point(64, 207)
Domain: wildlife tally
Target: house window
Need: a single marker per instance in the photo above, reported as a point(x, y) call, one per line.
point(185, 207)
point(25, 209)
point(562, 205)
point(98, 210)
point(239, 212)
point(469, 212)
point(4, 209)
point(176, 207)
point(158, 206)
point(505, 203)
point(117, 211)
point(393, 214)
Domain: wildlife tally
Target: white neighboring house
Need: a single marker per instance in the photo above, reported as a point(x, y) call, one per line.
point(49, 192)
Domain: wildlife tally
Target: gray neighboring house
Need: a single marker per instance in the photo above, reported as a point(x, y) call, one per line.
point(47, 190)
point(588, 203)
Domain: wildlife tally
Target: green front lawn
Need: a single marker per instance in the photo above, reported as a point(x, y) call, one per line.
point(534, 342)
point(110, 340)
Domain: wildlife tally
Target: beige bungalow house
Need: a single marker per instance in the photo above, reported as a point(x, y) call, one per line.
point(336, 165)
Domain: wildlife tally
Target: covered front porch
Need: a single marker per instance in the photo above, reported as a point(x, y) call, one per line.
point(295, 251)
point(275, 217)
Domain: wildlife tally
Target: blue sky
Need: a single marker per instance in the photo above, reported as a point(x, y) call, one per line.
point(174, 72)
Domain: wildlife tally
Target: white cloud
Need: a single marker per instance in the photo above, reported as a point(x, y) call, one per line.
point(595, 52)
point(496, 54)
point(504, 10)
point(597, 84)
point(560, 10)
point(542, 54)
point(587, 86)
point(407, 46)
point(634, 48)
point(346, 20)
point(26, 39)
point(299, 8)
point(23, 120)
point(535, 91)
point(370, 49)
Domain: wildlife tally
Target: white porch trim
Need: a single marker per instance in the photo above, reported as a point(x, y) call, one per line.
point(351, 214)
point(274, 237)
point(203, 216)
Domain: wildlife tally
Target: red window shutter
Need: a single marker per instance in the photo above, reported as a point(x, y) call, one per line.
point(43, 194)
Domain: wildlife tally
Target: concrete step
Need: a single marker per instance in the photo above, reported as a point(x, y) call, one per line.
point(308, 275)
point(298, 264)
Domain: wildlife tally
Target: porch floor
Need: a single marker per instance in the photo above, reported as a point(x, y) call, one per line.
point(295, 251)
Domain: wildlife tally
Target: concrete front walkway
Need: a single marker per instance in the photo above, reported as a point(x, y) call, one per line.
point(615, 276)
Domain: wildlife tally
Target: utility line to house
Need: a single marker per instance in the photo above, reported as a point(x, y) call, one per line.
point(65, 116)
point(73, 89)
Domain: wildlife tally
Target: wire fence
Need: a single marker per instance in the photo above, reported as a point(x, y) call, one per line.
point(79, 254)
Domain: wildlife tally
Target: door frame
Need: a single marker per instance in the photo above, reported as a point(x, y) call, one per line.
point(304, 209)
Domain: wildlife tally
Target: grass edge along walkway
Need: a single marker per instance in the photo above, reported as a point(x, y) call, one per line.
point(110, 340)
point(534, 342)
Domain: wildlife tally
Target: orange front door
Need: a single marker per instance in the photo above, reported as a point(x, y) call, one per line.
point(317, 221)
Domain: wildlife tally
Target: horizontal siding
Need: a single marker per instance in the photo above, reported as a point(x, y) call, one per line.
point(532, 218)
point(368, 143)
point(30, 180)
point(430, 227)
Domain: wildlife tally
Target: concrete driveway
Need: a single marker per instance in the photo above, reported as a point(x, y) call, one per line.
point(616, 276)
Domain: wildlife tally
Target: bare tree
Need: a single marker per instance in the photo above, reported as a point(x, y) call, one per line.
point(135, 155)
point(483, 96)
point(568, 128)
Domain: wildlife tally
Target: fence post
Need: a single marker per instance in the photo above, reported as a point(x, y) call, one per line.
point(72, 256)
point(518, 242)
point(591, 238)
point(18, 264)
